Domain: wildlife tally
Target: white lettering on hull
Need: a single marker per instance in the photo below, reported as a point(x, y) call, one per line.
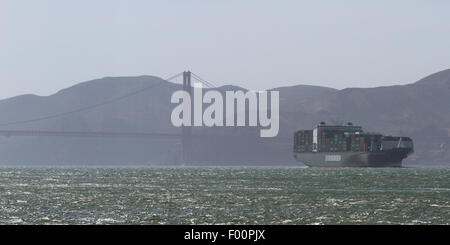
point(332, 158)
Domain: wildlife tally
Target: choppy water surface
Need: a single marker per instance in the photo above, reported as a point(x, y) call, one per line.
point(224, 196)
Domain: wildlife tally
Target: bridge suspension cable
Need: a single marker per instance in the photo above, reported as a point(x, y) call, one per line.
point(208, 84)
point(91, 106)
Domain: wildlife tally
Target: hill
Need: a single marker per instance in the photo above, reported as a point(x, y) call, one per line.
point(419, 110)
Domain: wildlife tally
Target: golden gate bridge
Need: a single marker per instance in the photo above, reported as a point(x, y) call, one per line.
point(185, 136)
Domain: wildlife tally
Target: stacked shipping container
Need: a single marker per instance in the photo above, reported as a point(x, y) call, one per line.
point(303, 141)
point(337, 139)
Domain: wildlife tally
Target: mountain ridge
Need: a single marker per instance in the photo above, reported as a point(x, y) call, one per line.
point(419, 110)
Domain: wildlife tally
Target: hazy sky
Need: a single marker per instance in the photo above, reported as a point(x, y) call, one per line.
point(47, 45)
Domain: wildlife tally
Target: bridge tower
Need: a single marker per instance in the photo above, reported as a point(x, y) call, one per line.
point(186, 131)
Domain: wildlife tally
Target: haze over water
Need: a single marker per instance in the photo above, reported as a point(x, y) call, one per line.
point(219, 195)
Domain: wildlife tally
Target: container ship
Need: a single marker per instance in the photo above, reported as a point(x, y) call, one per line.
point(349, 146)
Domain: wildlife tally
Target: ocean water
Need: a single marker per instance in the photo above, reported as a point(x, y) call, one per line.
point(216, 195)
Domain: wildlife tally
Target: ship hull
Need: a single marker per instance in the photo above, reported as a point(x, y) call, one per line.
point(387, 158)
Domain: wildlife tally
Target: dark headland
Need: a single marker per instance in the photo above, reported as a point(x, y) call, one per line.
point(420, 110)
